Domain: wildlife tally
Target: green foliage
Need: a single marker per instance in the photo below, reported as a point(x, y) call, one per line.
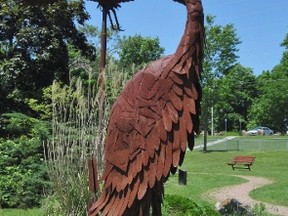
point(23, 174)
point(260, 210)
point(220, 55)
point(220, 49)
point(42, 107)
point(237, 91)
point(139, 51)
point(14, 125)
point(33, 48)
point(177, 206)
point(22, 212)
point(234, 92)
point(285, 42)
point(270, 108)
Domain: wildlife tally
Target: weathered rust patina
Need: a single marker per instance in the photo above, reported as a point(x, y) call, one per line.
point(151, 123)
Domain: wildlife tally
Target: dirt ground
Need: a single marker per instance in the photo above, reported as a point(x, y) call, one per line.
point(241, 193)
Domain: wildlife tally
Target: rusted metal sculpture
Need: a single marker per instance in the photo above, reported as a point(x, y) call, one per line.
point(151, 123)
point(93, 176)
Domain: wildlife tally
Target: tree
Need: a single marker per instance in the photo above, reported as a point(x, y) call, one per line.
point(33, 47)
point(236, 93)
point(270, 108)
point(137, 50)
point(220, 56)
point(221, 47)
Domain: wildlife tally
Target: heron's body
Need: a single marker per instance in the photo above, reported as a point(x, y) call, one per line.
point(151, 123)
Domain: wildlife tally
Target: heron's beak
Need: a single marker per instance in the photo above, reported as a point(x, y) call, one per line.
point(180, 1)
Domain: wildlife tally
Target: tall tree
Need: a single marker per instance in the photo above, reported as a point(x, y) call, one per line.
point(221, 47)
point(33, 47)
point(220, 55)
point(237, 91)
point(270, 108)
point(137, 50)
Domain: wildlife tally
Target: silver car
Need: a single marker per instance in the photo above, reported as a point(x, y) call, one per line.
point(260, 131)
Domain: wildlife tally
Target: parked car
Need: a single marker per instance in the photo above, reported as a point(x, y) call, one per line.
point(260, 131)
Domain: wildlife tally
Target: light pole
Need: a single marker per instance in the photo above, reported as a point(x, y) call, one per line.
point(225, 124)
point(212, 121)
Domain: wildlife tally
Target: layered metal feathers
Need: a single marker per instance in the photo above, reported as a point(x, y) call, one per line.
point(151, 123)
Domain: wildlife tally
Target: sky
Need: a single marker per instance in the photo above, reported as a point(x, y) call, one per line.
point(261, 25)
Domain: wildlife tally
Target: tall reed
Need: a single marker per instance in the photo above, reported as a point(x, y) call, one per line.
point(76, 138)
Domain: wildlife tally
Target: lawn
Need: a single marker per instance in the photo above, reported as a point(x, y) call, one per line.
point(20, 212)
point(206, 171)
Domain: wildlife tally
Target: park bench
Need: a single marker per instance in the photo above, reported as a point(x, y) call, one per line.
point(242, 162)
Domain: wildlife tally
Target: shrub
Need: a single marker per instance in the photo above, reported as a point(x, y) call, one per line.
point(15, 125)
point(180, 206)
point(23, 175)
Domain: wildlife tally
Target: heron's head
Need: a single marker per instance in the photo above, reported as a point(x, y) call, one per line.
point(180, 1)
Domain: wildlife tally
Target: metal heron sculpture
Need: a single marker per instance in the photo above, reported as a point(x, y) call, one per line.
point(151, 123)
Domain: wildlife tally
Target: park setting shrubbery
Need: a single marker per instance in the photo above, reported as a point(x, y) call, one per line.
point(23, 173)
point(178, 205)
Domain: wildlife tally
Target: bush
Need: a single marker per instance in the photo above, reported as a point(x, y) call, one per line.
point(23, 175)
point(180, 206)
point(15, 125)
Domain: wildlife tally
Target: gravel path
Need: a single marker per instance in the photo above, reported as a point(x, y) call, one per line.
point(241, 193)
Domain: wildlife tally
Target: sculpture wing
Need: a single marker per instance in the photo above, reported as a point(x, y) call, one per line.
point(150, 125)
point(110, 4)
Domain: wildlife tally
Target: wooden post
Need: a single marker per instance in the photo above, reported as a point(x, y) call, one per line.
point(93, 180)
point(182, 180)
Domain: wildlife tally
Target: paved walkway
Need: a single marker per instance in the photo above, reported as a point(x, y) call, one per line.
point(225, 139)
point(241, 193)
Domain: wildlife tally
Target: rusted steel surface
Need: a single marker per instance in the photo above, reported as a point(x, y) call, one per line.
point(110, 4)
point(93, 175)
point(151, 123)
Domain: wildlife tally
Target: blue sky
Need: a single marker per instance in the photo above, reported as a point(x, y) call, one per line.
point(261, 25)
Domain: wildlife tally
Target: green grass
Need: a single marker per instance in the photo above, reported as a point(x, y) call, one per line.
point(207, 171)
point(20, 212)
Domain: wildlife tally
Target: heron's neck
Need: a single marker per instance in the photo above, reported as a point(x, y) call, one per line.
point(189, 50)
